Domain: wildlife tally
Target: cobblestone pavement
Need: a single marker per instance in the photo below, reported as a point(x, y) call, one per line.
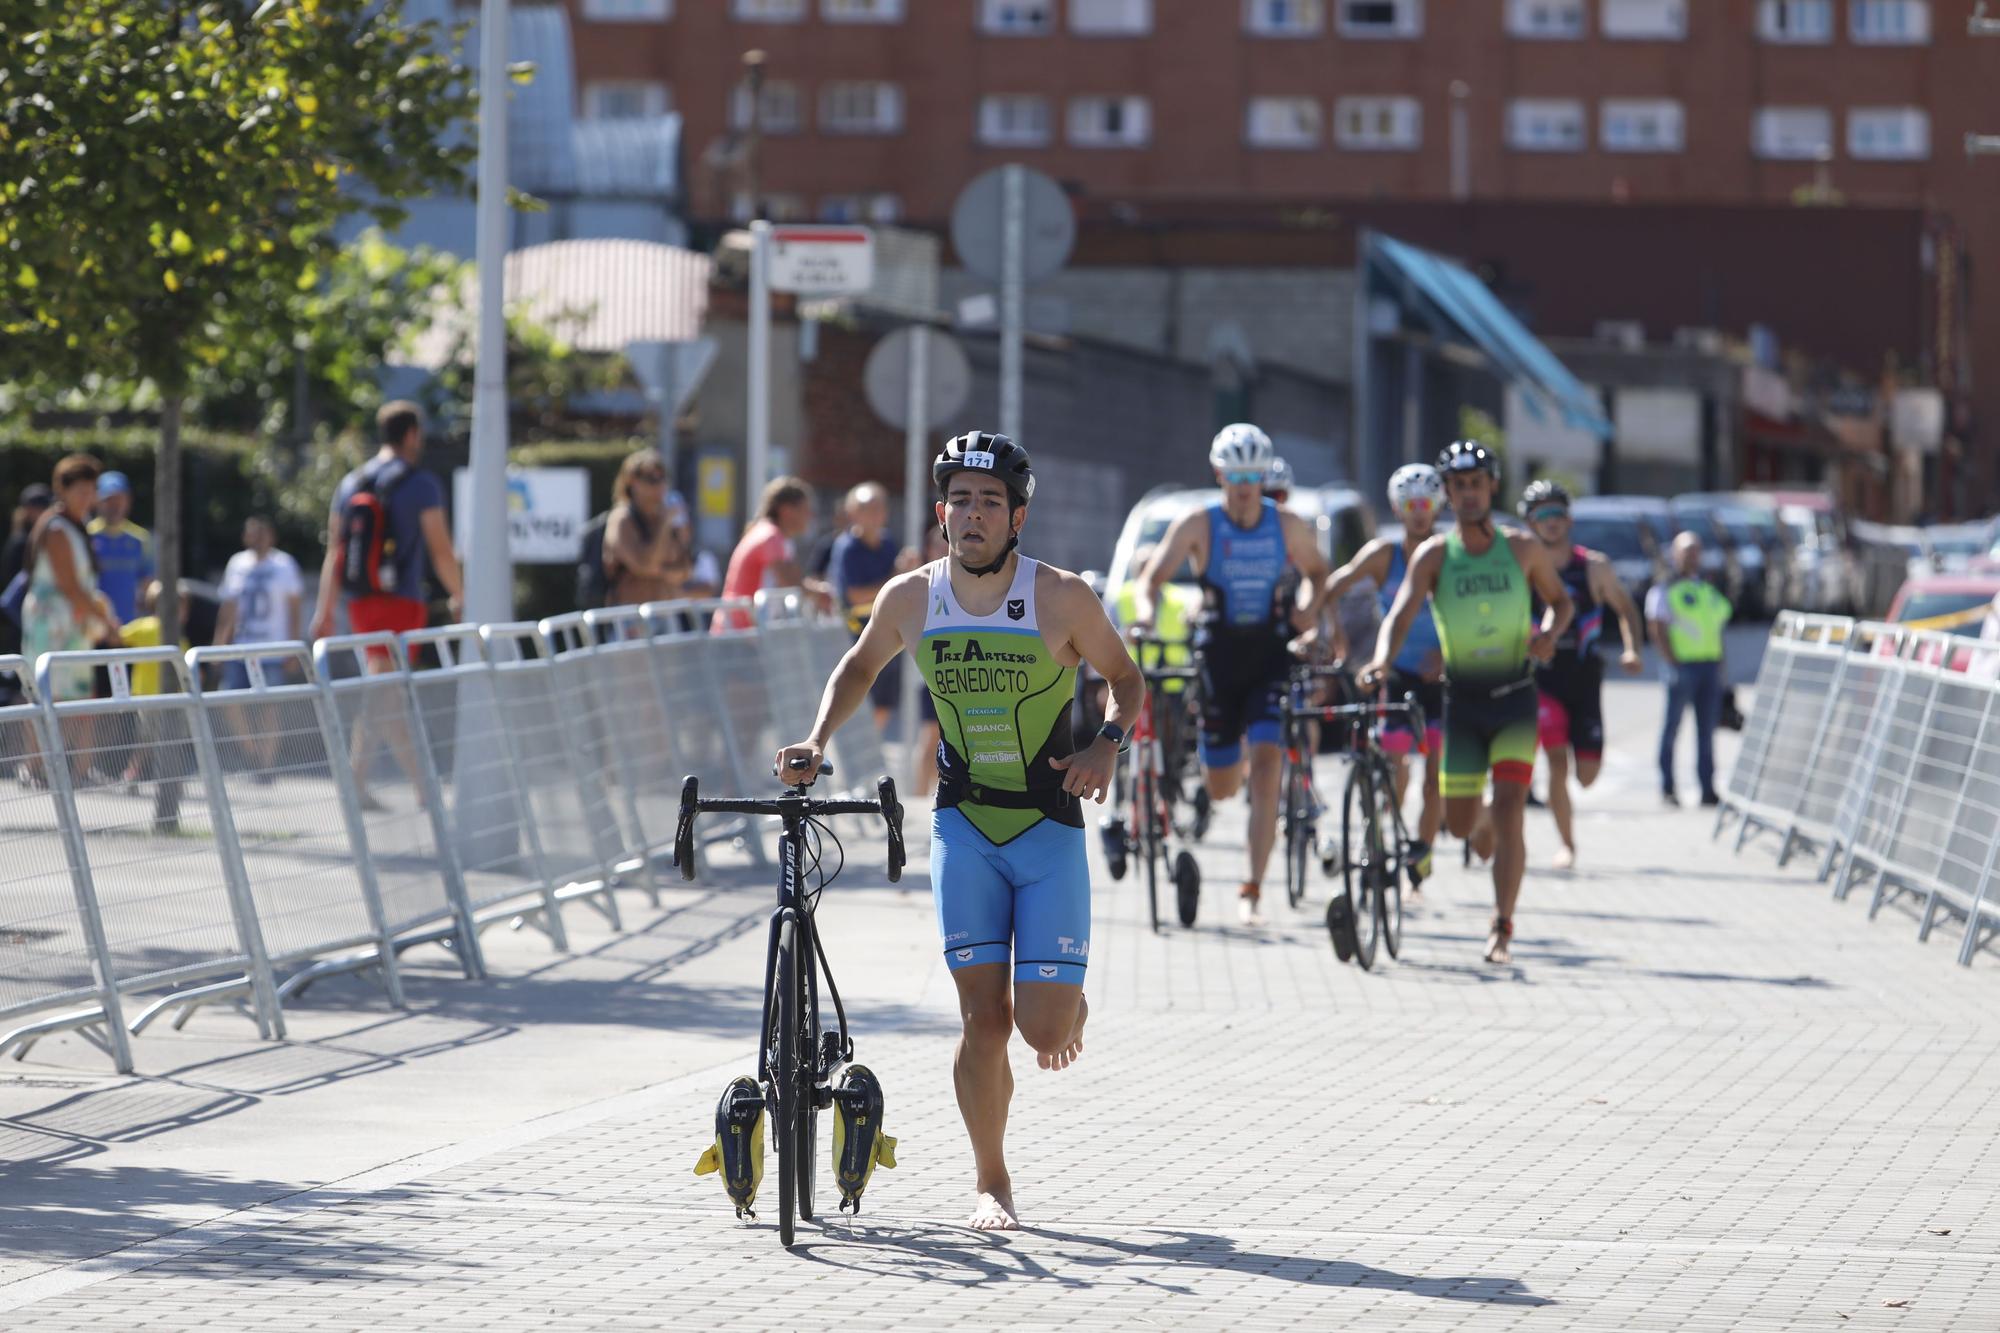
point(1703, 1096)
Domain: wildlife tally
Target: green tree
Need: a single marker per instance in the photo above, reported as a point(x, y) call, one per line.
point(171, 175)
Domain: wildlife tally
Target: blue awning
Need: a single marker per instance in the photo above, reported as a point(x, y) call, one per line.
point(1463, 304)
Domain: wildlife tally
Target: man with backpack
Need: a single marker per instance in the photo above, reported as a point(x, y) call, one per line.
point(386, 531)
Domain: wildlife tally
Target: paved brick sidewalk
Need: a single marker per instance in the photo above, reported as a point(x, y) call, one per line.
point(1704, 1096)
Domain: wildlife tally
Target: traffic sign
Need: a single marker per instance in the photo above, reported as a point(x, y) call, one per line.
point(823, 260)
point(978, 225)
point(947, 377)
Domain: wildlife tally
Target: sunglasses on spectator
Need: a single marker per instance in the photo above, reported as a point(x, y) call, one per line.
point(1547, 512)
point(1244, 478)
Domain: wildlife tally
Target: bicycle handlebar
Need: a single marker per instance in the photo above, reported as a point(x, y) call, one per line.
point(792, 806)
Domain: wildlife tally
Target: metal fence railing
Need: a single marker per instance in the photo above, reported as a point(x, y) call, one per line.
point(231, 825)
point(1880, 747)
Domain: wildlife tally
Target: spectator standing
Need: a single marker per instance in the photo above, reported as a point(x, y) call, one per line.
point(124, 549)
point(646, 539)
point(262, 602)
point(767, 555)
point(35, 500)
point(864, 558)
point(1686, 618)
point(414, 540)
point(64, 611)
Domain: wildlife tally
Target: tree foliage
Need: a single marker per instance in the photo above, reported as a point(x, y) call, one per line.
point(171, 175)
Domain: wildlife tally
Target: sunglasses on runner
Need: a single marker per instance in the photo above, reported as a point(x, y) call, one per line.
point(1245, 478)
point(1547, 512)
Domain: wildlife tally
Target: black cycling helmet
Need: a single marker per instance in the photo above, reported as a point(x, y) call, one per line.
point(1468, 456)
point(1540, 493)
point(984, 451)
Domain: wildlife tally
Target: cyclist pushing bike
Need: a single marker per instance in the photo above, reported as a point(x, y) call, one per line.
point(1416, 496)
point(1481, 582)
point(998, 637)
point(1242, 548)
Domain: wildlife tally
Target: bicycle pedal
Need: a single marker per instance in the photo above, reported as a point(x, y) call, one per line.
point(859, 1145)
point(738, 1151)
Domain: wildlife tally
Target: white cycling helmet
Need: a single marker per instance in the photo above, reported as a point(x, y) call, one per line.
point(1279, 478)
point(1241, 448)
point(1416, 488)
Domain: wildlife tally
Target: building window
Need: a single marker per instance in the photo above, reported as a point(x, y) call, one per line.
point(1545, 125)
point(1017, 18)
point(861, 11)
point(1284, 18)
point(1014, 120)
point(1889, 133)
point(1283, 122)
point(1792, 132)
point(624, 99)
point(1109, 122)
point(1645, 20)
point(1890, 22)
point(860, 107)
point(1545, 19)
point(1378, 123)
point(781, 110)
point(1804, 21)
point(628, 11)
point(882, 208)
point(767, 11)
point(1381, 18)
point(1110, 18)
point(1630, 125)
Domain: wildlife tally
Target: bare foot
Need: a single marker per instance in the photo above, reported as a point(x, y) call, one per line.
point(1484, 836)
point(1565, 858)
point(994, 1211)
point(1499, 944)
point(1066, 1057)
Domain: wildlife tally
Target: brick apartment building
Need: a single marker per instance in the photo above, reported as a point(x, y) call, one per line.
point(1165, 111)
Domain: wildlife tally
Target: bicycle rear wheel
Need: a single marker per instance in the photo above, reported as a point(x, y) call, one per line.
point(805, 1152)
point(1147, 810)
point(787, 1059)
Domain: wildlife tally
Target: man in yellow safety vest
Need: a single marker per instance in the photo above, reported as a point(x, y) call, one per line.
point(1686, 618)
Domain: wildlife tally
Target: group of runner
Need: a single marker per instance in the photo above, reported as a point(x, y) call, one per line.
point(1493, 630)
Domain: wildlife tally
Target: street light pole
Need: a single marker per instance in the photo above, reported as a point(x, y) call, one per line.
point(489, 574)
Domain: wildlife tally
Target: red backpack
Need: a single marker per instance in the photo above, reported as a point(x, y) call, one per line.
point(367, 542)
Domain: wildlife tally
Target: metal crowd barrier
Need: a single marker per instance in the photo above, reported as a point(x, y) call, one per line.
point(232, 825)
point(1881, 747)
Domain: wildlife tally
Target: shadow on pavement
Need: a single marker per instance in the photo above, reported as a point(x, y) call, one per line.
point(968, 1257)
point(79, 1213)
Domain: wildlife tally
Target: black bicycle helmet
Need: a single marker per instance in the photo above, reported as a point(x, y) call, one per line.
point(984, 451)
point(1468, 456)
point(1540, 493)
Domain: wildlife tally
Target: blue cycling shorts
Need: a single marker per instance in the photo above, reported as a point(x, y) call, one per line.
point(1028, 900)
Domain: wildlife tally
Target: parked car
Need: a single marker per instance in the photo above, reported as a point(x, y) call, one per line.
point(1955, 603)
point(1762, 551)
point(1823, 569)
point(1658, 525)
point(1954, 548)
point(1628, 542)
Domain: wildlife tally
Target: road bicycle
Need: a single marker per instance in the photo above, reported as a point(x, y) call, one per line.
point(1151, 789)
point(1374, 854)
point(1299, 805)
point(797, 1062)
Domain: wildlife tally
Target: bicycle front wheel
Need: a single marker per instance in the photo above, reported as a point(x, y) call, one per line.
point(787, 1063)
point(1298, 830)
point(805, 1146)
point(1357, 869)
point(1390, 900)
point(1147, 808)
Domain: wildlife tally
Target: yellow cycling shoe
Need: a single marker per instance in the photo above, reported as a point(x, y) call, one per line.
point(859, 1145)
point(738, 1150)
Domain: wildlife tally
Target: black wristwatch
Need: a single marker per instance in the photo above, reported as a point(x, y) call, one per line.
point(1114, 733)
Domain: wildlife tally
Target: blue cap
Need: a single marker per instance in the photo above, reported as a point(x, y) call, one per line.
point(113, 483)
